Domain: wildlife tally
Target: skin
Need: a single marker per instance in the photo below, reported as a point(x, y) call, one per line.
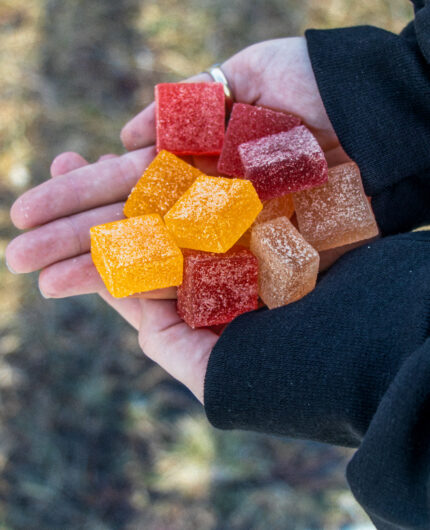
point(58, 213)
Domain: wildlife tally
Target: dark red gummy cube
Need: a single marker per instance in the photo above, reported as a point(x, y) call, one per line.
point(217, 287)
point(284, 163)
point(190, 118)
point(248, 122)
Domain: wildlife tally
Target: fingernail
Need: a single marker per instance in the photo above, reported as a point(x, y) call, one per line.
point(10, 268)
point(43, 294)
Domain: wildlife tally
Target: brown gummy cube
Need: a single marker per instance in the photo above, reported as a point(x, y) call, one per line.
point(336, 213)
point(287, 264)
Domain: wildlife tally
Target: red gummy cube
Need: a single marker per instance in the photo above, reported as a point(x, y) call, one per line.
point(190, 118)
point(248, 122)
point(217, 287)
point(284, 163)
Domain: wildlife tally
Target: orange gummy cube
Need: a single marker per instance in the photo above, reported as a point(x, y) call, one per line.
point(282, 206)
point(166, 178)
point(213, 213)
point(136, 255)
point(336, 213)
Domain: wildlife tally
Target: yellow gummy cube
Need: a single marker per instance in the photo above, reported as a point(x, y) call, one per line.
point(166, 178)
point(282, 206)
point(136, 255)
point(213, 213)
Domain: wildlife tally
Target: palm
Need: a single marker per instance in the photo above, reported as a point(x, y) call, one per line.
point(276, 74)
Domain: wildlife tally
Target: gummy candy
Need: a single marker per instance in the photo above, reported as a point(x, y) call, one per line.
point(217, 287)
point(213, 213)
point(336, 213)
point(288, 265)
point(136, 255)
point(249, 122)
point(190, 118)
point(278, 207)
point(164, 181)
point(283, 163)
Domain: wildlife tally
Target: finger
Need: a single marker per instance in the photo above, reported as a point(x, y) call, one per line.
point(91, 186)
point(336, 156)
point(66, 162)
point(128, 308)
point(140, 131)
point(180, 350)
point(108, 156)
point(71, 277)
point(168, 293)
point(78, 275)
point(59, 240)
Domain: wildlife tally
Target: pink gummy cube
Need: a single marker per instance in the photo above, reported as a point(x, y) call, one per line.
point(284, 163)
point(217, 287)
point(248, 122)
point(190, 118)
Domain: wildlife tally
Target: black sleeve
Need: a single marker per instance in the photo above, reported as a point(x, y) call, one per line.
point(375, 86)
point(348, 364)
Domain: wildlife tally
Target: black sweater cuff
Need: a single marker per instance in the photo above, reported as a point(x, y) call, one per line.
point(375, 86)
point(318, 368)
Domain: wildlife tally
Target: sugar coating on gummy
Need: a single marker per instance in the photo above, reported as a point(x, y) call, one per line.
point(338, 212)
point(136, 255)
point(278, 207)
point(217, 287)
point(288, 265)
point(213, 213)
point(249, 122)
point(284, 163)
point(164, 181)
point(190, 118)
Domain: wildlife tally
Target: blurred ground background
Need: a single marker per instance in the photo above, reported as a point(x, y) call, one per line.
point(92, 435)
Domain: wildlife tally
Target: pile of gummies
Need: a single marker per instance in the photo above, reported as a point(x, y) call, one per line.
point(228, 240)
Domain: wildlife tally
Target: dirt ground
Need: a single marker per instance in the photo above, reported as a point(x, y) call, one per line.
point(93, 436)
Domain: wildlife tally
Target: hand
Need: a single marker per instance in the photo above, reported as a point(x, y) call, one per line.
point(276, 74)
point(163, 336)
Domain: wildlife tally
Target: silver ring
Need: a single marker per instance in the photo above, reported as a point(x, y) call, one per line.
point(219, 77)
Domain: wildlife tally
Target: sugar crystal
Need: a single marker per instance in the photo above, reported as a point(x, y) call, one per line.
point(164, 181)
point(190, 118)
point(213, 213)
point(249, 122)
point(284, 163)
point(136, 255)
point(288, 265)
point(338, 212)
point(217, 287)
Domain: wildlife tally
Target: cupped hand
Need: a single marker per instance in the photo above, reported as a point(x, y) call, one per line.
point(60, 212)
point(163, 336)
point(275, 74)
